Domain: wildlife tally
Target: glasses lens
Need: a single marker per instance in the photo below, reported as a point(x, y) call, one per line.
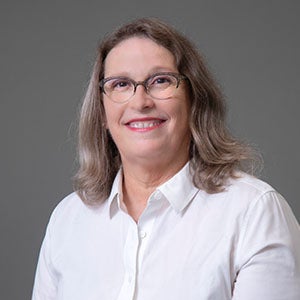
point(162, 86)
point(159, 86)
point(118, 89)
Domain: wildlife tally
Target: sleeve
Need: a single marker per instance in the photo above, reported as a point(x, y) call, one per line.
point(45, 283)
point(269, 252)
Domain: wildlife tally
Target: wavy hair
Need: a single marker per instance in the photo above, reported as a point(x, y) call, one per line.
point(215, 155)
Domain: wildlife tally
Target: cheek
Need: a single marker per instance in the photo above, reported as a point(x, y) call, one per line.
point(181, 112)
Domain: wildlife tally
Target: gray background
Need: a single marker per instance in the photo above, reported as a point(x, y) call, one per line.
point(47, 50)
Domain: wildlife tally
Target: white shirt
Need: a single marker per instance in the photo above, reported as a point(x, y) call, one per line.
point(243, 243)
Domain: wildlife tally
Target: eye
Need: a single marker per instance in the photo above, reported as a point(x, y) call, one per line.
point(161, 81)
point(118, 84)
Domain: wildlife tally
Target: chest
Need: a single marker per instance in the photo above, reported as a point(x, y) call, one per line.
point(156, 259)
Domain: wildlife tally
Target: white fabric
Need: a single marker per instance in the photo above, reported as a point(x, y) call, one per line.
point(240, 244)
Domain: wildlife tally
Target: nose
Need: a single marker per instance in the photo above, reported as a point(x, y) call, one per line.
point(141, 100)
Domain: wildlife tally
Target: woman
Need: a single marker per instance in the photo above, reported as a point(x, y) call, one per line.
point(162, 208)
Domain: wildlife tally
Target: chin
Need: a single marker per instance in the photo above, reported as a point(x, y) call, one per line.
point(146, 152)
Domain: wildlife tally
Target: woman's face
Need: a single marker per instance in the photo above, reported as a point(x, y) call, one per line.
point(145, 129)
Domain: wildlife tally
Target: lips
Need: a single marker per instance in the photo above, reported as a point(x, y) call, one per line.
point(144, 124)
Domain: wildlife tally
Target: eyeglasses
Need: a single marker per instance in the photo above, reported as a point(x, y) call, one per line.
point(159, 86)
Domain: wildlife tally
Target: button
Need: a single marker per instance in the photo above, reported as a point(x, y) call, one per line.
point(143, 234)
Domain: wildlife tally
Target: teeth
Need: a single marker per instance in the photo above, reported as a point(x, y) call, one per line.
point(144, 124)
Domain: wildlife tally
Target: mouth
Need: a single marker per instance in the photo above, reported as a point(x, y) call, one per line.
point(144, 124)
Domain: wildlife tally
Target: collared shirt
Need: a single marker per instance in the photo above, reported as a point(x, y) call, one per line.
point(243, 243)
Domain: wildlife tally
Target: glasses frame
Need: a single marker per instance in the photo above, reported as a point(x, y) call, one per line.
point(144, 83)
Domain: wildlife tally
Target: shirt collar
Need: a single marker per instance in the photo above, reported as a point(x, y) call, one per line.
point(179, 190)
point(115, 194)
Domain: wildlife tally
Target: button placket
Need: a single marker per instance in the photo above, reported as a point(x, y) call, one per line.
point(146, 224)
point(130, 263)
point(135, 245)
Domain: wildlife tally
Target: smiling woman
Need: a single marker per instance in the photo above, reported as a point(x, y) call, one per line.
point(163, 208)
point(213, 153)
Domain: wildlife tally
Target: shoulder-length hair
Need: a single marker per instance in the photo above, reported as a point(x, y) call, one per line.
point(214, 154)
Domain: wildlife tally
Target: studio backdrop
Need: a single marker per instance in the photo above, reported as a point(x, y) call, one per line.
point(47, 51)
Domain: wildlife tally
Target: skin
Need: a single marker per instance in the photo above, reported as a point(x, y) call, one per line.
point(153, 154)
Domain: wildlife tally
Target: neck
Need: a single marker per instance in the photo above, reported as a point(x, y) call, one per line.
point(140, 181)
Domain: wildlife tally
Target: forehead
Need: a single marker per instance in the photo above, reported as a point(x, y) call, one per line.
point(137, 55)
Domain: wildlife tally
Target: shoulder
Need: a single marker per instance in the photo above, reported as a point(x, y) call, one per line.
point(69, 204)
point(261, 204)
point(72, 210)
point(248, 184)
point(248, 190)
point(247, 195)
point(66, 211)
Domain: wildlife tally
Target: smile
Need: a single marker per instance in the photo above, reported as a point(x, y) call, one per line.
point(144, 125)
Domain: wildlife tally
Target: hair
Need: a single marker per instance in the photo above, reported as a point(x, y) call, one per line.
point(215, 155)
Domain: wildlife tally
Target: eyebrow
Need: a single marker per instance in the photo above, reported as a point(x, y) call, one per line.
point(152, 71)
